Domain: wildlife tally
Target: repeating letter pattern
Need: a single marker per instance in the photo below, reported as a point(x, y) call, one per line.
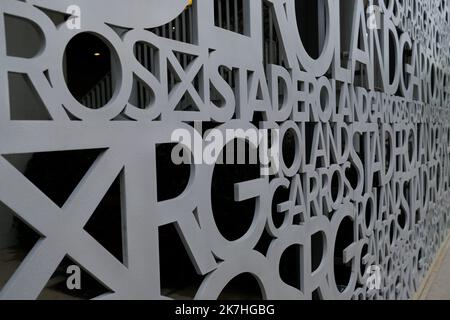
point(368, 119)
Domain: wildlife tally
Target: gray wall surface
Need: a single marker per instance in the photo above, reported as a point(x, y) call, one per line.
point(367, 189)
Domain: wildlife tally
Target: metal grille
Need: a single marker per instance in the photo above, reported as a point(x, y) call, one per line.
point(100, 94)
point(180, 29)
point(273, 51)
point(229, 15)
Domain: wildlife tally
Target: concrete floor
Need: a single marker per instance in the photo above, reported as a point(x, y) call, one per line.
point(436, 285)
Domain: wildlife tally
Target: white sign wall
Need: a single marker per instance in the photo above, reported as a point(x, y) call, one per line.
point(371, 130)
